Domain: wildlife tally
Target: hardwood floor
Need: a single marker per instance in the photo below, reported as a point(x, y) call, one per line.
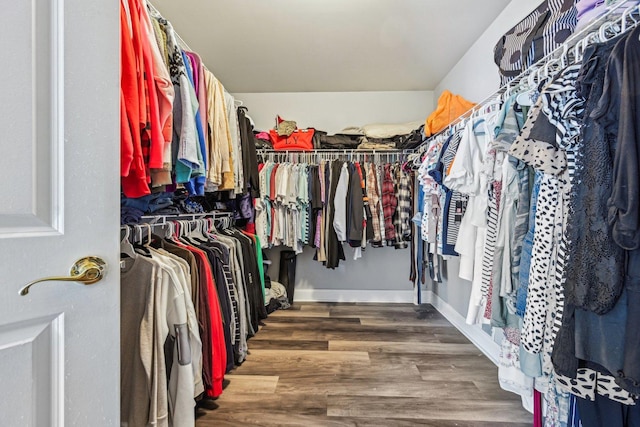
point(339, 364)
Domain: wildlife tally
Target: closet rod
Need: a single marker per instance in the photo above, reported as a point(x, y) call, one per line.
point(162, 219)
point(297, 156)
point(337, 150)
point(181, 41)
point(565, 47)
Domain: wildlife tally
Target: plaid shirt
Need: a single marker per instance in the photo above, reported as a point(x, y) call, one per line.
point(374, 201)
point(404, 203)
point(389, 203)
point(403, 209)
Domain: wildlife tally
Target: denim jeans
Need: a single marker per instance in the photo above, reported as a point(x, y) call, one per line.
point(527, 247)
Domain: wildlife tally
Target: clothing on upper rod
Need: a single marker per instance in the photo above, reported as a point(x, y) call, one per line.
point(179, 126)
point(624, 13)
point(538, 34)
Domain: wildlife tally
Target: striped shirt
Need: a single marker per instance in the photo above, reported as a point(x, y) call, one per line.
point(536, 36)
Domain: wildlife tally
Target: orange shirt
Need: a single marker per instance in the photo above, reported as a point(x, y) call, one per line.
point(132, 167)
point(449, 108)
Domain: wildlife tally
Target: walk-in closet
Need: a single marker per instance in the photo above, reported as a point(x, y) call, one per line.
point(336, 213)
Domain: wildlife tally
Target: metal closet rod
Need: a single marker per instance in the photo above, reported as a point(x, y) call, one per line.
point(163, 219)
point(297, 156)
point(181, 41)
point(565, 47)
point(151, 222)
point(336, 150)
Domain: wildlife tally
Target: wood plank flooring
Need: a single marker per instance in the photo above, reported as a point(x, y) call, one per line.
point(373, 365)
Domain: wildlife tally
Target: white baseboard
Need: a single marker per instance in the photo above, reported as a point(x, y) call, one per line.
point(474, 333)
point(352, 295)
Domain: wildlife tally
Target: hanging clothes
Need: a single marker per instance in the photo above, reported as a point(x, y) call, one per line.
point(327, 205)
point(550, 263)
point(190, 302)
point(179, 126)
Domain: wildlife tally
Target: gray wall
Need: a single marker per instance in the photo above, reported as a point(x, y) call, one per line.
point(378, 269)
point(454, 290)
point(476, 76)
point(333, 111)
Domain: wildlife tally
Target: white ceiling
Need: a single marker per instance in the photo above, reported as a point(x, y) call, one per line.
point(330, 45)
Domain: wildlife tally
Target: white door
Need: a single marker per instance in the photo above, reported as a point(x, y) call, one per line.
point(59, 149)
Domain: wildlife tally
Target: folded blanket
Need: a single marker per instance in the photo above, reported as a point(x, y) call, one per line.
point(383, 131)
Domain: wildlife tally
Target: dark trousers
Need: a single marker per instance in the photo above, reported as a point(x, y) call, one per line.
point(604, 412)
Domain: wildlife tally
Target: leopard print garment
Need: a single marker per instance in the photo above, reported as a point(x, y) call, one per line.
point(542, 258)
point(589, 382)
point(543, 155)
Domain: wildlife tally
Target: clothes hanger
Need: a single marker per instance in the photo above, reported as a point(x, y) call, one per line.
point(169, 229)
point(577, 52)
point(541, 78)
point(551, 68)
point(613, 27)
point(531, 78)
point(623, 18)
point(137, 235)
point(186, 229)
point(519, 87)
point(198, 231)
point(507, 92)
point(150, 232)
point(493, 104)
point(602, 31)
point(211, 227)
point(593, 37)
point(405, 166)
point(564, 60)
point(126, 248)
point(139, 245)
point(188, 232)
point(153, 244)
point(524, 98)
point(633, 18)
point(174, 229)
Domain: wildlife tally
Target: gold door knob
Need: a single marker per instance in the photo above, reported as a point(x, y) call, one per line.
point(87, 270)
